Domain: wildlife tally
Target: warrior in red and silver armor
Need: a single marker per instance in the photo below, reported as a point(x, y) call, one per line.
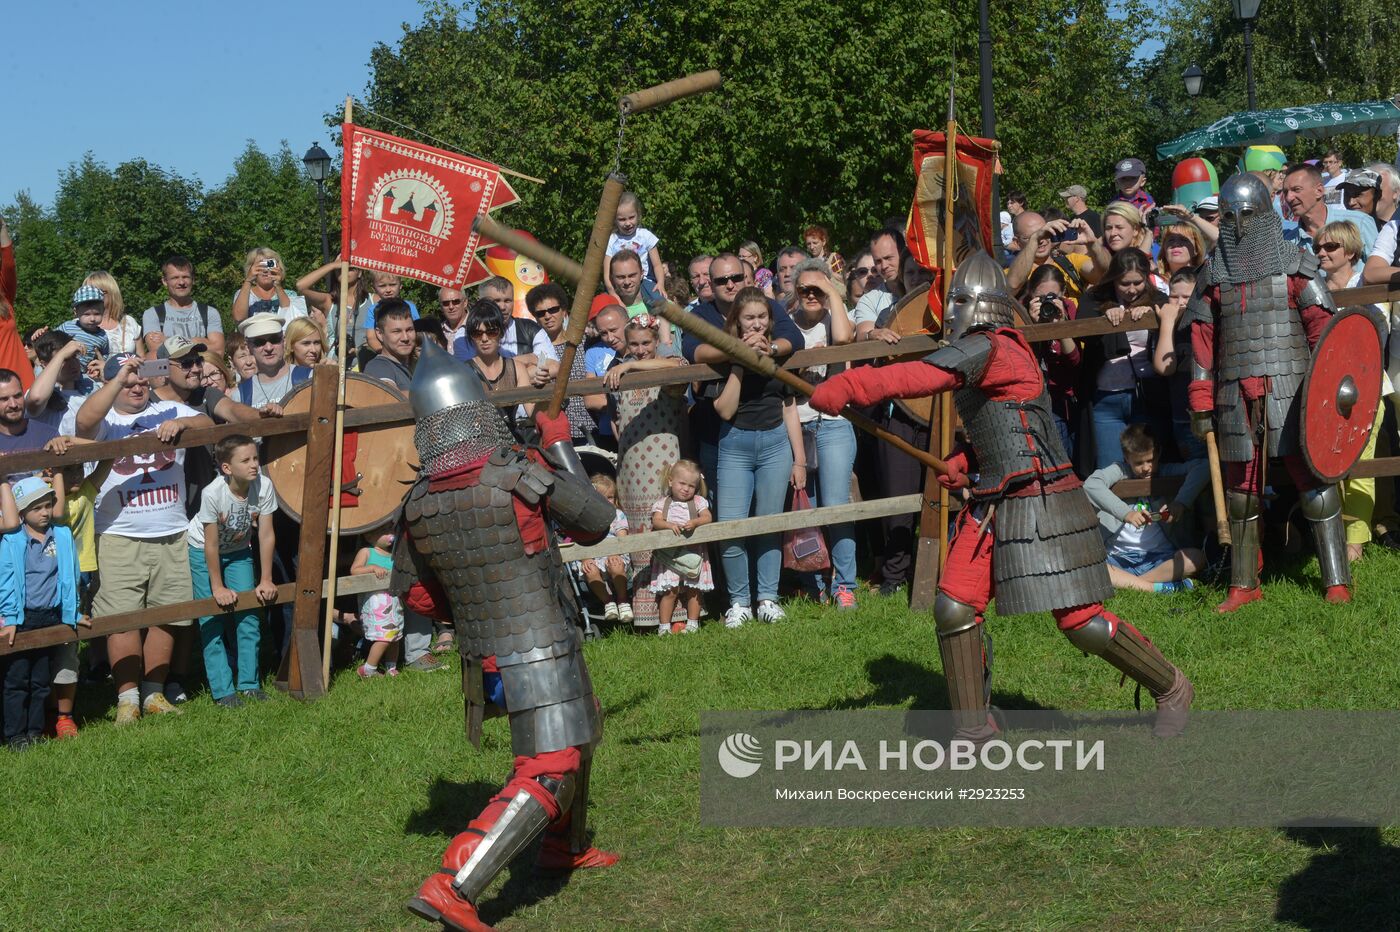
point(475, 545)
point(1259, 308)
point(1028, 535)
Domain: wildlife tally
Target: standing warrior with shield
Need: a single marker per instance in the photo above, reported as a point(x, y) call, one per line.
point(1260, 305)
point(1028, 525)
point(476, 545)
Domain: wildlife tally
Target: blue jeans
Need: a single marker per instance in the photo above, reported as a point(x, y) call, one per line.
point(1114, 411)
point(754, 469)
point(836, 455)
point(242, 628)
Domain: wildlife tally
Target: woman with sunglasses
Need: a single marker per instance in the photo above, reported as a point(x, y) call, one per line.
point(549, 305)
point(485, 324)
point(829, 442)
point(1340, 253)
point(1181, 249)
point(860, 277)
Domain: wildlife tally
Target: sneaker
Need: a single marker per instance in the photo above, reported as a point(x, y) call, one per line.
point(128, 712)
point(770, 611)
point(364, 671)
point(737, 615)
point(678, 627)
point(229, 702)
point(890, 588)
point(175, 692)
point(610, 612)
point(663, 630)
point(157, 704)
point(391, 670)
point(65, 727)
point(624, 612)
point(21, 743)
point(254, 695)
point(692, 625)
point(1184, 585)
point(426, 664)
point(845, 598)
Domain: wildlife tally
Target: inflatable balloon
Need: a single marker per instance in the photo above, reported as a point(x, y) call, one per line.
point(1193, 180)
point(522, 272)
point(1262, 158)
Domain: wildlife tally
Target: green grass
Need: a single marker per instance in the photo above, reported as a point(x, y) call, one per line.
point(328, 815)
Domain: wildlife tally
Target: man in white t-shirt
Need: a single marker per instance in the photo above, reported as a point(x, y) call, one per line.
point(140, 521)
point(867, 316)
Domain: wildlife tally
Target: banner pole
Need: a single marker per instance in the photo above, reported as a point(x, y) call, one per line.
point(337, 463)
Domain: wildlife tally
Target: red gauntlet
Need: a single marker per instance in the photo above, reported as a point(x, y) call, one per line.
point(870, 385)
point(552, 429)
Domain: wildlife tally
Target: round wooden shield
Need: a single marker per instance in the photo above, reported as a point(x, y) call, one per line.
point(1341, 393)
point(912, 316)
point(385, 461)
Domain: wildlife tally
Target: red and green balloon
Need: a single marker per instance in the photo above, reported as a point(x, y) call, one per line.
point(1193, 180)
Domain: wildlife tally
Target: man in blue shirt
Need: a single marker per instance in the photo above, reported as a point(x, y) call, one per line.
point(1303, 192)
point(727, 279)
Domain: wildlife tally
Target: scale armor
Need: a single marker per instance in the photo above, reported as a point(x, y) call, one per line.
point(1049, 553)
point(507, 602)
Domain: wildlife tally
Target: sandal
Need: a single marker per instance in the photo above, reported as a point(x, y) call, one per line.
point(445, 643)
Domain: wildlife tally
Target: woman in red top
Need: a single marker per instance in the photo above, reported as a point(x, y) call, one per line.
point(12, 355)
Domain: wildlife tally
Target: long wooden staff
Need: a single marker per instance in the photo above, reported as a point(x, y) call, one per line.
point(337, 457)
point(749, 358)
point(946, 416)
point(603, 222)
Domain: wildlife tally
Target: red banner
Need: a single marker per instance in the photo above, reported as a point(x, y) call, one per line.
point(407, 208)
point(973, 212)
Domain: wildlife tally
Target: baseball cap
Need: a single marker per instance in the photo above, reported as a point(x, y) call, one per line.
point(1362, 178)
point(1075, 190)
point(1262, 158)
point(175, 347)
point(1208, 203)
point(600, 302)
point(260, 325)
point(1129, 168)
point(114, 365)
point(88, 293)
point(31, 490)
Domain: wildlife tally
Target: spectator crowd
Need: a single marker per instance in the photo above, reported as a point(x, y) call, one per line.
point(137, 532)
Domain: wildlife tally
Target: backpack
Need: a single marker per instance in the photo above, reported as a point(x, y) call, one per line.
point(300, 374)
point(160, 313)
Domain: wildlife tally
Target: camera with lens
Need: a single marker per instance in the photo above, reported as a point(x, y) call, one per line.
point(1049, 311)
point(1151, 218)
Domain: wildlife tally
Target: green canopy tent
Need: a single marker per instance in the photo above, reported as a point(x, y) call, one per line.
point(1288, 124)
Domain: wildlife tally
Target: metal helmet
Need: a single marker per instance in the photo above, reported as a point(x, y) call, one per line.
point(978, 298)
point(456, 424)
point(1244, 197)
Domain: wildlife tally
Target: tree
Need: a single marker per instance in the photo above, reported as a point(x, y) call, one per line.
point(814, 122)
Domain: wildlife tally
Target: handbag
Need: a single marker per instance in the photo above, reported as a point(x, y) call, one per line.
point(804, 550)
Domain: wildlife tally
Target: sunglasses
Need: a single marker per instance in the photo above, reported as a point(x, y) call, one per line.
point(810, 291)
point(264, 341)
point(541, 311)
point(481, 332)
point(862, 271)
point(188, 362)
point(1328, 247)
point(1174, 241)
point(727, 279)
point(452, 302)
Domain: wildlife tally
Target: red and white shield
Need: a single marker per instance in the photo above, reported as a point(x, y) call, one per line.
point(1341, 393)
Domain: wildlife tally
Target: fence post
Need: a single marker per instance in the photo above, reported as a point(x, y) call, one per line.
point(301, 667)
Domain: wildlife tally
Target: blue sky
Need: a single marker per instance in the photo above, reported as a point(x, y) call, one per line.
point(182, 84)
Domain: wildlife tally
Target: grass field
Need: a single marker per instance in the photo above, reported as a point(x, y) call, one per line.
point(328, 815)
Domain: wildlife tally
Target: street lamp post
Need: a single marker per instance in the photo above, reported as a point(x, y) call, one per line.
point(318, 166)
point(1246, 11)
point(1193, 77)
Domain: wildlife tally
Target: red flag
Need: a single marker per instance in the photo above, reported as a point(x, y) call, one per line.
point(407, 208)
point(973, 213)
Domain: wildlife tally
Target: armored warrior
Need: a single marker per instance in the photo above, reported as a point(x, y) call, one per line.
point(1259, 307)
point(1029, 535)
point(475, 544)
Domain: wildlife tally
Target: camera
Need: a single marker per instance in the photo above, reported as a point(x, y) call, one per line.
point(1067, 236)
point(1049, 311)
point(268, 263)
point(1151, 217)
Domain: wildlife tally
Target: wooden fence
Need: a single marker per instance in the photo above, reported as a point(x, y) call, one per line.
point(301, 670)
